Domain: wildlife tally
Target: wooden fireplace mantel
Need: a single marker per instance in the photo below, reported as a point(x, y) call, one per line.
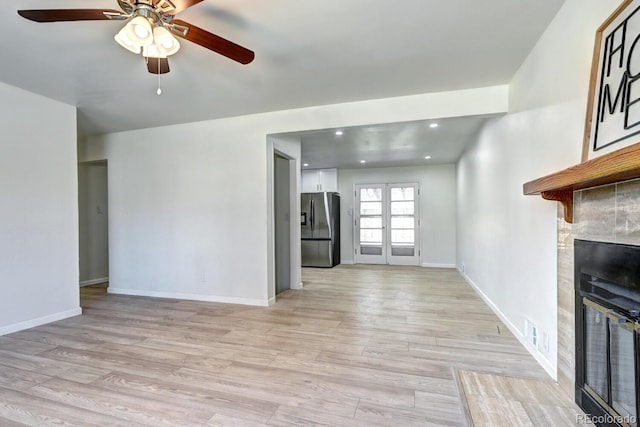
point(620, 165)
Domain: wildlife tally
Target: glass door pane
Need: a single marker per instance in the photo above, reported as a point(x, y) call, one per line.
point(595, 335)
point(402, 241)
point(623, 371)
point(370, 222)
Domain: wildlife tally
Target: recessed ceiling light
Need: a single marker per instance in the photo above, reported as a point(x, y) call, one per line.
point(363, 161)
point(427, 157)
point(339, 132)
point(433, 125)
point(306, 164)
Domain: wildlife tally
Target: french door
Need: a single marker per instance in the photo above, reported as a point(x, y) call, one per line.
point(386, 224)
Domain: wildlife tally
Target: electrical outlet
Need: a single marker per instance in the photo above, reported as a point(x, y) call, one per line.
point(462, 267)
point(531, 333)
point(544, 342)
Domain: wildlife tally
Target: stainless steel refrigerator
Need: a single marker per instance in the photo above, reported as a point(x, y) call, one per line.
point(320, 223)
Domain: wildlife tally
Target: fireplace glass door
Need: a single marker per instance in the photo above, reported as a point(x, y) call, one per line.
point(610, 365)
point(596, 338)
point(623, 369)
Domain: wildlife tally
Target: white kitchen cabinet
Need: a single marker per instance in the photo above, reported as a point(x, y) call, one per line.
point(314, 180)
point(309, 181)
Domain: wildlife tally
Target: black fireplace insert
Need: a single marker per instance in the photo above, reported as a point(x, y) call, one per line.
point(607, 277)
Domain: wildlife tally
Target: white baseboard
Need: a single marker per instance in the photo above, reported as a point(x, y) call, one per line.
point(424, 264)
point(544, 362)
point(272, 301)
point(297, 286)
point(94, 281)
point(435, 265)
point(192, 297)
point(27, 324)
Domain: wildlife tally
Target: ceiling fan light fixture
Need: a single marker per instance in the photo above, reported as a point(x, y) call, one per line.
point(150, 28)
point(139, 31)
point(152, 51)
point(124, 41)
point(165, 42)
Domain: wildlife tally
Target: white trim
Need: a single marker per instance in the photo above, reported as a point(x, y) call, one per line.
point(94, 281)
point(347, 261)
point(436, 265)
point(272, 301)
point(297, 286)
point(192, 297)
point(544, 362)
point(27, 324)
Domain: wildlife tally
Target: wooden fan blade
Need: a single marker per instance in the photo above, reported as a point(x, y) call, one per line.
point(180, 5)
point(215, 43)
point(60, 15)
point(157, 65)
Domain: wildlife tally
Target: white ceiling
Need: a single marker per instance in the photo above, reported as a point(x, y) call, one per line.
point(389, 145)
point(308, 52)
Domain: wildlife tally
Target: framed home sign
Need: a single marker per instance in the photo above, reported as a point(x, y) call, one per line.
point(613, 109)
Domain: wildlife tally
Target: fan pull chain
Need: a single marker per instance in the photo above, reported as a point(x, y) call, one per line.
point(159, 91)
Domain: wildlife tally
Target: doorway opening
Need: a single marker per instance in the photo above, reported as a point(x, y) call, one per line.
point(386, 224)
point(282, 167)
point(93, 215)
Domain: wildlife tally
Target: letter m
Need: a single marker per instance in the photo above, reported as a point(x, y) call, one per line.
point(607, 104)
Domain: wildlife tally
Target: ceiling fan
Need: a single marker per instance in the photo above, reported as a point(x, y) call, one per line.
point(150, 29)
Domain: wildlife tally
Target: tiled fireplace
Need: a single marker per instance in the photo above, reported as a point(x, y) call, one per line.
point(605, 214)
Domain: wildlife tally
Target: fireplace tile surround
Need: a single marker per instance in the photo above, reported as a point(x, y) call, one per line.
point(609, 213)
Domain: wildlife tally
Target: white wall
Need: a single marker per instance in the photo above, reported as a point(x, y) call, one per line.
point(93, 207)
point(437, 208)
point(38, 211)
point(190, 213)
point(507, 241)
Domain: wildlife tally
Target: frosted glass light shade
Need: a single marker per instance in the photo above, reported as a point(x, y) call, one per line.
point(123, 40)
point(165, 42)
point(139, 31)
point(152, 51)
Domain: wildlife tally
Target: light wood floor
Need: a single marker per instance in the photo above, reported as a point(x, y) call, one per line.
point(358, 346)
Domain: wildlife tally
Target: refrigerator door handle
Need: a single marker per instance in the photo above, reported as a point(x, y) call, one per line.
point(328, 216)
point(311, 215)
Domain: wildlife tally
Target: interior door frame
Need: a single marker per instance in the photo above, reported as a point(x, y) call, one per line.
point(282, 230)
point(388, 258)
point(288, 148)
point(88, 164)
